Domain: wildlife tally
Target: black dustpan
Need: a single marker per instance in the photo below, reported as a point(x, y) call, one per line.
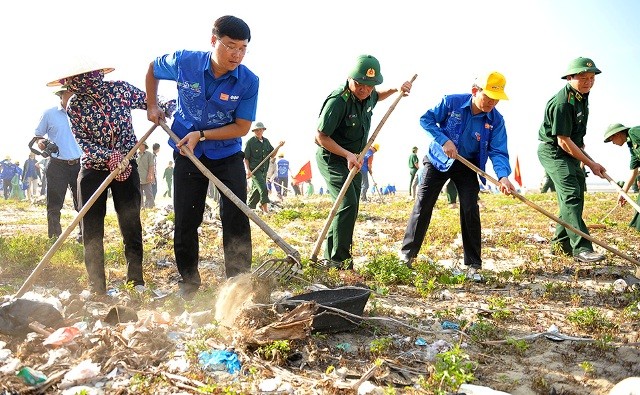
point(349, 299)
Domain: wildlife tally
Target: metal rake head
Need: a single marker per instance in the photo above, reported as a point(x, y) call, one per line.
point(280, 269)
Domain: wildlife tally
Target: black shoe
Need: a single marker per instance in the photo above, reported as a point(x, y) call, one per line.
point(187, 290)
point(79, 238)
point(406, 260)
point(589, 256)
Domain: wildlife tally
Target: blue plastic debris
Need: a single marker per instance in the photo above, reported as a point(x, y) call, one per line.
point(450, 325)
point(421, 342)
point(219, 360)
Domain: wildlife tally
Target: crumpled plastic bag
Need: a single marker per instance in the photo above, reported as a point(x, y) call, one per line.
point(219, 360)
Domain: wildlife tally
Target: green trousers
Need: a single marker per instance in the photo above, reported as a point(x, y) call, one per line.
point(412, 174)
point(340, 235)
point(570, 182)
point(635, 221)
point(452, 192)
point(258, 192)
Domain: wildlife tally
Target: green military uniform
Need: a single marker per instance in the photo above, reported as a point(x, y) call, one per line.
point(347, 121)
point(633, 142)
point(452, 192)
point(413, 169)
point(547, 184)
point(566, 114)
point(255, 151)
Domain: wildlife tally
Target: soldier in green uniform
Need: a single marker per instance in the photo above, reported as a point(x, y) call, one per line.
point(560, 153)
point(343, 131)
point(414, 165)
point(620, 134)
point(256, 149)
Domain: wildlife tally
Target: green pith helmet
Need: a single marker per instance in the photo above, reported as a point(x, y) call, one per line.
point(367, 71)
point(581, 65)
point(613, 129)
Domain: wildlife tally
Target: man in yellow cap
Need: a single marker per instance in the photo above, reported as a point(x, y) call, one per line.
point(467, 125)
point(560, 152)
point(366, 169)
point(342, 133)
point(619, 134)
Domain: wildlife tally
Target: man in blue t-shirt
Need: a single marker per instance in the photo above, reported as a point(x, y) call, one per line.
point(217, 100)
point(282, 179)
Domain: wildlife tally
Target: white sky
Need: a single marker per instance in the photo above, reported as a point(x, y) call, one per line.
point(303, 50)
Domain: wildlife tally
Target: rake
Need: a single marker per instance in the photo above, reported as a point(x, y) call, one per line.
point(279, 269)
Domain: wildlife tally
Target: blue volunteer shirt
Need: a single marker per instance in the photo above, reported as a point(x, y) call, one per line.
point(205, 102)
point(477, 137)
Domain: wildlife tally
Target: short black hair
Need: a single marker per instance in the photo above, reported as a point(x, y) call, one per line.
point(232, 27)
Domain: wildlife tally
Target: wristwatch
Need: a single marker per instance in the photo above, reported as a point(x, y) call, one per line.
point(202, 138)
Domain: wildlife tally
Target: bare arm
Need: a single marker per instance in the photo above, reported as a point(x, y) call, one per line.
point(572, 149)
point(405, 88)
point(632, 178)
point(154, 113)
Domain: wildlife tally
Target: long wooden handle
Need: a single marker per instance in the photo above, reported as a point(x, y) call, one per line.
point(268, 156)
point(548, 214)
point(352, 174)
point(290, 251)
point(52, 250)
point(618, 187)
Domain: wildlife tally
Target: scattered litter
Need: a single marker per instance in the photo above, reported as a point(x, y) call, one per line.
point(553, 329)
point(83, 372)
point(62, 336)
point(219, 360)
point(421, 342)
point(537, 238)
point(450, 325)
point(619, 286)
point(31, 376)
point(344, 347)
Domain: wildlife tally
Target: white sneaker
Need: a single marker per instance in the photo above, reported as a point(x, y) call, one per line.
point(473, 275)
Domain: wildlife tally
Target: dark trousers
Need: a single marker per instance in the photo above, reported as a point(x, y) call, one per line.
point(60, 176)
point(282, 184)
point(126, 201)
point(340, 235)
point(429, 189)
point(189, 195)
point(570, 182)
point(6, 187)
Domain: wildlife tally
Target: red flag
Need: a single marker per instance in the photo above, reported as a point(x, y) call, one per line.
point(517, 176)
point(303, 175)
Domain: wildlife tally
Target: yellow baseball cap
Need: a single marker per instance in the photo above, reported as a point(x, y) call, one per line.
point(492, 84)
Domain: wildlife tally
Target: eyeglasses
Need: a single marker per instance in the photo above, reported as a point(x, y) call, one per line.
point(239, 50)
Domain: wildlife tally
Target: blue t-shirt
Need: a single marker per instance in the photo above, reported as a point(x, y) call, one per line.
point(283, 168)
point(206, 102)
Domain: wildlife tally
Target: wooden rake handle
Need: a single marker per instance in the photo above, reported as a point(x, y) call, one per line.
point(47, 257)
point(617, 187)
point(548, 214)
point(268, 156)
point(290, 251)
